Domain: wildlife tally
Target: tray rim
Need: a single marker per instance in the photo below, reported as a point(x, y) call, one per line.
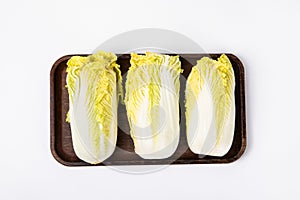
point(141, 162)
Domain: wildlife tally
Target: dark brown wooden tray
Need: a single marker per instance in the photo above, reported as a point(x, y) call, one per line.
point(60, 134)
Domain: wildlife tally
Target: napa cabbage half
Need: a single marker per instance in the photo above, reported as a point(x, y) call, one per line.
point(210, 106)
point(94, 86)
point(152, 104)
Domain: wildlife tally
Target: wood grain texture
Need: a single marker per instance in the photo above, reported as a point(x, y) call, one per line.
point(60, 132)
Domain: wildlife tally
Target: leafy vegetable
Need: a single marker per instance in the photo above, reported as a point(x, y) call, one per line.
point(210, 106)
point(94, 86)
point(152, 103)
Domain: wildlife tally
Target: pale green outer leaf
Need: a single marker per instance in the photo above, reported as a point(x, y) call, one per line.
point(152, 103)
point(94, 86)
point(210, 106)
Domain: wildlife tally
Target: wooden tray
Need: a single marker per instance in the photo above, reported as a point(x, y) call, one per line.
point(60, 134)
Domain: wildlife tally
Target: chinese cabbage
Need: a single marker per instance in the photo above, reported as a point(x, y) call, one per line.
point(210, 106)
point(152, 104)
point(94, 86)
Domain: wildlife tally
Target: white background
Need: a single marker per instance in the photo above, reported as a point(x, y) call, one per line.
point(263, 34)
